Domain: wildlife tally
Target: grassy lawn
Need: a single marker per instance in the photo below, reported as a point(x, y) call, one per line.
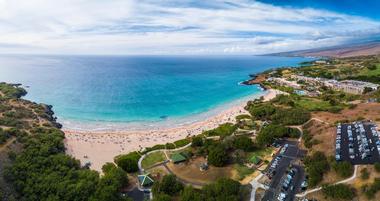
point(242, 171)
point(368, 72)
point(313, 104)
point(152, 159)
point(261, 153)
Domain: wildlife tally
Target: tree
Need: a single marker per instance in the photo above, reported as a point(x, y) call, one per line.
point(222, 189)
point(162, 197)
point(169, 185)
point(222, 130)
point(197, 141)
point(128, 162)
point(316, 166)
point(272, 132)
point(109, 185)
point(343, 169)
point(243, 142)
point(190, 194)
point(217, 155)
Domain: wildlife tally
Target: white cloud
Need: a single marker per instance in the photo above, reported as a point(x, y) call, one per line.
point(169, 27)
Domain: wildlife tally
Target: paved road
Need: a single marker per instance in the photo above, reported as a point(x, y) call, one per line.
point(291, 153)
point(301, 195)
point(255, 185)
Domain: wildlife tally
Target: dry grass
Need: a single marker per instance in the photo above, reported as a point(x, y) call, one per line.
point(190, 171)
point(325, 134)
point(369, 111)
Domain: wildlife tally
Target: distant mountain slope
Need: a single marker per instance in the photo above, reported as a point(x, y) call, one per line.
point(372, 48)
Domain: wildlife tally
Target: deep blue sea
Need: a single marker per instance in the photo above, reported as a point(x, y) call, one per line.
point(135, 88)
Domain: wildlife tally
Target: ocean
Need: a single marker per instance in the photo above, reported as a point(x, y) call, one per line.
point(122, 89)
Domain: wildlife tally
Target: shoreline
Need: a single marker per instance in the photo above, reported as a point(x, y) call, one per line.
point(116, 126)
point(101, 146)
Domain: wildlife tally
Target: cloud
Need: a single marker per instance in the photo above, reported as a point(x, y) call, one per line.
point(171, 27)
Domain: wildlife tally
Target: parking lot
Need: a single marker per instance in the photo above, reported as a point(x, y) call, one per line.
point(358, 143)
point(281, 186)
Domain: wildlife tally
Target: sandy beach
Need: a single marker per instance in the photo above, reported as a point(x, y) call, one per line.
point(99, 147)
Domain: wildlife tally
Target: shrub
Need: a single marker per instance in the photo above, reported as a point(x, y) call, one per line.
point(339, 191)
point(181, 143)
point(343, 169)
point(377, 166)
point(222, 130)
point(292, 116)
point(197, 141)
point(364, 174)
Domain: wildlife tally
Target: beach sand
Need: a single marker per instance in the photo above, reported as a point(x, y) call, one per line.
point(99, 147)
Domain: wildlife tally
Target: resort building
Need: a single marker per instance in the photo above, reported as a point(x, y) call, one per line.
point(284, 82)
point(347, 86)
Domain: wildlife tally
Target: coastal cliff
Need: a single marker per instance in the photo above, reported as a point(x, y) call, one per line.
point(256, 79)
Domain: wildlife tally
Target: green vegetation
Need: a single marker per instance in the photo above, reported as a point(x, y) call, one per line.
point(243, 142)
point(338, 192)
point(128, 162)
point(153, 158)
point(217, 155)
point(316, 166)
point(197, 141)
point(243, 171)
point(181, 143)
point(364, 174)
point(222, 189)
point(377, 166)
point(272, 132)
point(243, 116)
point(168, 186)
point(222, 130)
point(39, 169)
point(11, 91)
point(372, 189)
point(43, 163)
point(308, 140)
point(344, 169)
point(268, 111)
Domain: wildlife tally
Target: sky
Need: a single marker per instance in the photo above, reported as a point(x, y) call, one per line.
point(168, 27)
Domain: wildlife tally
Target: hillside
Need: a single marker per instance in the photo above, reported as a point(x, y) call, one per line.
point(343, 51)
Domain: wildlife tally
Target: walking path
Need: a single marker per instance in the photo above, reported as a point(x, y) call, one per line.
point(9, 142)
point(163, 150)
point(300, 195)
point(256, 185)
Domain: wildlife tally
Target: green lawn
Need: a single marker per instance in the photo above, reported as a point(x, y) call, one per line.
point(368, 72)
point(152, 159)
point(243, 171)
point(313, 104)
point(261, 153)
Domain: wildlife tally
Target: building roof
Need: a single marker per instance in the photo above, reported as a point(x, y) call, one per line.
point(177, 158)
point(145, 180)
point(255, 160)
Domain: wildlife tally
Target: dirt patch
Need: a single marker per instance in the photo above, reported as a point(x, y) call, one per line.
point(324, 136)
point(190, 171)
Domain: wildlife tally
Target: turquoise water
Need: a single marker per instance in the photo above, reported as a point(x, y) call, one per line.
point(135, 88)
